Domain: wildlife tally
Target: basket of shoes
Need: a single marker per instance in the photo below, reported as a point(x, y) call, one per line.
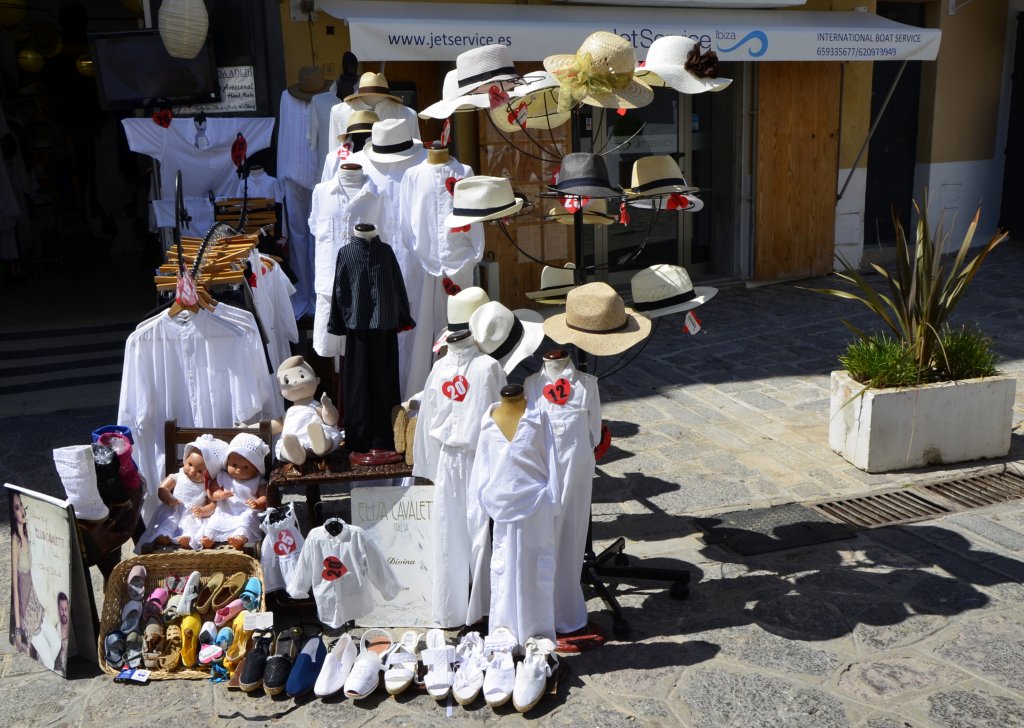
point(178, 613)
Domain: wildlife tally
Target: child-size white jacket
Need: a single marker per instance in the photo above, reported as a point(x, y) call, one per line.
point(340, 570)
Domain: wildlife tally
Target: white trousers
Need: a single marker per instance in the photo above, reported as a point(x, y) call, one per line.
point(451, 540)
point(301, 246)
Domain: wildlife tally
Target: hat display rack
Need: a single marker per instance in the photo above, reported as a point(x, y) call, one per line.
point(603, 73)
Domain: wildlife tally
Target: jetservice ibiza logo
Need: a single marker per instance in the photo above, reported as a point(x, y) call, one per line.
point(755, 42)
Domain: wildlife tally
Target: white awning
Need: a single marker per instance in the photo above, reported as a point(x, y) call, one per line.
point(410, 31)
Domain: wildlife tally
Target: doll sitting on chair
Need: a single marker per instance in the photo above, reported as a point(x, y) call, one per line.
point(240, 491)
point(309, 426)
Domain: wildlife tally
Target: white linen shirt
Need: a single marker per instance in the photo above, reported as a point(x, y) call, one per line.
point(296, 161)
point(261, 184)
point(334, 214)
point(424, 202)
point(319, 136)
point(444, 419)
point(348, 596)
point(384, 109)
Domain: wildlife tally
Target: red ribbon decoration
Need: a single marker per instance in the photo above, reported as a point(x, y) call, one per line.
point(605, 444)
point(163, 118)
point(446, 132)
point(239, 148)
point(450, 286)
point(623, 213)
point(678, 201)
point(497, 96)
point(463, 229)
point(620, 112)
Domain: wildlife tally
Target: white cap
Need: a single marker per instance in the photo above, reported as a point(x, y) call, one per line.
point(214, 452)
point(252, 448)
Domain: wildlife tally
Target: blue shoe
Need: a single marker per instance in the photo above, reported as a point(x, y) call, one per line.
point(251, 594)
point(307, 666)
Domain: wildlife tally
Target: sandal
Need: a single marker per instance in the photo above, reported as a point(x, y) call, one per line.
point(130, 616)
point(171, 610)
point(205, 598)
point(174, 584)
point(402, 664)
point(190, 593)
point(136, 586)
point(228, 591)
point(133, 650)
point(365, 674)
point(114, 648)
point(251, 594)
point(152, 642)
point(171, 659)
point(438, 659)
point(469, 677)
point(533, 672)
point(499, 681)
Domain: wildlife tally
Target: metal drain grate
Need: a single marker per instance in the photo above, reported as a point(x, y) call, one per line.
point(980, 490)
point(881, 509)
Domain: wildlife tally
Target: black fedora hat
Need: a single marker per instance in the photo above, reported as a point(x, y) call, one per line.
point(585, 175)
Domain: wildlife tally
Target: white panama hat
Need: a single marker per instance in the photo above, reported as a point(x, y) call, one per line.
point(663, 289)
point(555, 282)
point(391, 140)
point(452, 102)
point(481, 198)
point(595, 212)
point(676, 61)
point(479, 67)
point(657, 175)
point(460, 308)
point(506, 335)
point(372, 85)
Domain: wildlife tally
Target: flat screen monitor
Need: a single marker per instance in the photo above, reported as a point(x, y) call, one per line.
point(133, 69)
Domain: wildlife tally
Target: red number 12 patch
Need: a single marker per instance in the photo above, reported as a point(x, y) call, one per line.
point(558, 393)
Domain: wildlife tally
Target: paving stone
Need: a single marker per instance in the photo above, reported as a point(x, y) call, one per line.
point(888, 723)
point(886, 681)
point(988, 529)
point(647, 668)
point(800, 617)
point(888, 625)
point(991, 646)
point(714, 698)
point(44, 697)
point(753, 646)
point(759, 400)
point(974, 709)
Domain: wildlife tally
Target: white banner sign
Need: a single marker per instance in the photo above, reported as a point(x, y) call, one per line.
point(237, 93)
point(398, 519)
point(401, 31)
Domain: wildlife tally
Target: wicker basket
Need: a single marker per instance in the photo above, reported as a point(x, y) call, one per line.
point(161, 565)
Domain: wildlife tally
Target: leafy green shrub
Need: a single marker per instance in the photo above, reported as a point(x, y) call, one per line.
point(879, 361)
point(965, 353)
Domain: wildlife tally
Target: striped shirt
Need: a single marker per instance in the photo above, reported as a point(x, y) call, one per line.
point(369, 292)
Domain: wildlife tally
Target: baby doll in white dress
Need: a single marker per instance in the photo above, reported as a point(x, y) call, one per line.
point(240, 493)
point(184, 503)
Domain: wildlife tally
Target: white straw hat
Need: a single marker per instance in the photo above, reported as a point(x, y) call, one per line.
point(252, 448)
point(479, 67)
point(460, 308)
point(676, 61)
point(480, 198)
point(373, 85)
point(555, 282)
point(508, 336)
point(214, 452)
point(665, 289)
point(452, 102)
point(597, 321)
point(391, 140)
point(600, 73)
point(658, 175)
point(535, 103)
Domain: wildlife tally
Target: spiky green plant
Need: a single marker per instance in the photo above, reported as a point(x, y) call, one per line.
point(965, 353)
point(879, 362)
point(922, 293)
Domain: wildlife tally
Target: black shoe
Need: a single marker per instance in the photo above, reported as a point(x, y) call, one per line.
point(251, 677)
point(279, 665)
point(108, 476)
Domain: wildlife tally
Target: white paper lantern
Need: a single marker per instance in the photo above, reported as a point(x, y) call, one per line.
point(183, 27)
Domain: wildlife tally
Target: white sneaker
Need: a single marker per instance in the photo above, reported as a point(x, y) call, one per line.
point(469, 677)
point(336, 668)
point(77, 470)
point(532, 673)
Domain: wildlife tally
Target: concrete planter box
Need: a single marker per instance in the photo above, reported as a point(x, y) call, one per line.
point(893, 429)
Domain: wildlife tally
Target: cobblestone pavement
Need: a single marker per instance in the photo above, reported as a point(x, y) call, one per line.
point(916, 625)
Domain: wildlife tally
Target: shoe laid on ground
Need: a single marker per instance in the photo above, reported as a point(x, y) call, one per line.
point(469, 677)
point(402, 664)
point(438, 658)
point(280, 663)
point(365, 675)
point(307, 667)
point(532, 673)
point(337, 666)
point(251, 676)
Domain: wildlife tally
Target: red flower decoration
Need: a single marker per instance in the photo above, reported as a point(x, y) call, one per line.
point(450, 286)
point(163, 118)
point(239, 148)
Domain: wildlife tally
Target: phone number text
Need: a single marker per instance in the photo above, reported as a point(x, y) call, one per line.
point(854, 52)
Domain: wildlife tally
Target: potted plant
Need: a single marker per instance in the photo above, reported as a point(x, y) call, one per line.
point(924, 393)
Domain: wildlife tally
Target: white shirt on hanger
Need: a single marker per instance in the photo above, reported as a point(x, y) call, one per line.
point(261, 184)
point(296, 161)
point(319, 134)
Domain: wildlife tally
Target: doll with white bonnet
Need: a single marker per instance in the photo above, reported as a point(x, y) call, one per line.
point(184, 503)
point(240, 492)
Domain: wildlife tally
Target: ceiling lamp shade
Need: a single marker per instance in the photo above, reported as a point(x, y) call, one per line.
point(183, 26)
point(12, 12)
point(30, 61)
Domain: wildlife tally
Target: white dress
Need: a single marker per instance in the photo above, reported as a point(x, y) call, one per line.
point(575, 415)
point(516, 483)
point(279, 554)
point(233, 517)
point(176, 521)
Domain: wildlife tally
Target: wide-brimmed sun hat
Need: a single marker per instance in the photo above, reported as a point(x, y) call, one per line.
point(481, 198)
point(533, 105)
point(311, 82)
point(676, 61)
point(600, 73)
point(508, 336)
point(372, 86)
point(658, 175)
point(477, 68)
point(360, 121)
point(585, 175)
point(452, 102)
point(391, 140)
point(595, 212)
point(460, 308)
point(597, 321)
point(555, 283)
point(664, 289)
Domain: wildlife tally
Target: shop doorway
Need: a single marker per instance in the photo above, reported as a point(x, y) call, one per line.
point(892, 152)
point(1011, 212)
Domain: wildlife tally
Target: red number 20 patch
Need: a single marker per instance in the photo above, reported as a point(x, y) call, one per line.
point(333, 568)
point(456, 388)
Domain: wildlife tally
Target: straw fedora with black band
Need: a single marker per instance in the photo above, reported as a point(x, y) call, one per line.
point(460, 308)
point(676, 61)
point(657, 175)
point(663, 289)
point(539, 94)
point(481, 198)
point(595, 212)
point(481, 66)
point(360, 121)
point(311, 82)
point(597, 321)
point(555, 282)
point(505, 335)
point(600, 73)
point(584, 175)
point(372, 86)
point(452, 102)
point(391, 140)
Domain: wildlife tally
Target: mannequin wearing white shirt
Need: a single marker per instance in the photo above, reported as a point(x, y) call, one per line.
point(382, 106)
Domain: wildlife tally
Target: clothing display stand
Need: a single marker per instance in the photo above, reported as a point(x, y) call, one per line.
point(597, 571)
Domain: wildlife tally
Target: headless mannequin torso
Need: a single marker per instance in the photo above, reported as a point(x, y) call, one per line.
point(438, 154)
point(365, 230)
point(350, 176)
point(510, 410)
point(556, 362)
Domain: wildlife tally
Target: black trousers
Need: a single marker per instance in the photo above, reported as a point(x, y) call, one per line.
point(371, 389)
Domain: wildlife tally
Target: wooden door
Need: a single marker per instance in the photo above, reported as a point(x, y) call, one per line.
point(797, 167)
